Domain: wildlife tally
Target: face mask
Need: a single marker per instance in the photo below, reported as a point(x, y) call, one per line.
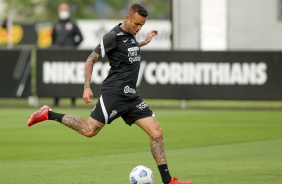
point(63, 15)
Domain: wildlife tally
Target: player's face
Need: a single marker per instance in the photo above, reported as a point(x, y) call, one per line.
point(135, 23)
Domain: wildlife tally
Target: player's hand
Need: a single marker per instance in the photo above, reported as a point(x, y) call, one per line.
point(150, 35)
point(87, 95)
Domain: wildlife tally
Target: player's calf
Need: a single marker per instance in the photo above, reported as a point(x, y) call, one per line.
point(88, 128)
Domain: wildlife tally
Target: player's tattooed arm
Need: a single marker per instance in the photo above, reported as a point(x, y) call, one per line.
point(92, 58)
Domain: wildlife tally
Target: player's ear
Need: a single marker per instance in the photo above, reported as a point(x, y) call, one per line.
point(127, 18)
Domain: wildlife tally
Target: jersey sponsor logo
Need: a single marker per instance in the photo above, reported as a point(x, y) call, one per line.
point(132, 49)
point(120, 33)
point(129, 90)
point(142, 105)
point(133, 55)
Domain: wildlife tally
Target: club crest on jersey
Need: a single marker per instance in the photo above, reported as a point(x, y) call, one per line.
point(133, 41)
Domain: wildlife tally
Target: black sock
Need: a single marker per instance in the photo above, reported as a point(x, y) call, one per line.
point(164, 173)
point(55, 116)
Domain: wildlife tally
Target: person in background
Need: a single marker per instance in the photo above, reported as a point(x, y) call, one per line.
point(4, 23)
point(65, 31)
point(65, 34)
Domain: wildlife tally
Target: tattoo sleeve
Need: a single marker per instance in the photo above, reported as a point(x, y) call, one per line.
point(81, 126)
point(76, 123)
point(92, 58)
point(157, 149)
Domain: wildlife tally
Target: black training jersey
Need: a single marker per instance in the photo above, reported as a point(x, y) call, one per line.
point(123, 54)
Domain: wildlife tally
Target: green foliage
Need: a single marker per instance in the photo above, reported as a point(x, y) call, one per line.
point(46, 10)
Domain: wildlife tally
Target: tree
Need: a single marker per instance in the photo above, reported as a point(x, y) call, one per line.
point(29, 11)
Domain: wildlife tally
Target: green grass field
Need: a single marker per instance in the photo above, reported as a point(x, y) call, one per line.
point(207, 146)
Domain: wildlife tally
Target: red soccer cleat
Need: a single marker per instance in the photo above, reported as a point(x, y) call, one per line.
point(174, 180)
point(39, 116)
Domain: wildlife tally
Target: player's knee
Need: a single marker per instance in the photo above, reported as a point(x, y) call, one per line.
point(160, 131)
point(157, 132)
point(93, 128)
point(90, 134)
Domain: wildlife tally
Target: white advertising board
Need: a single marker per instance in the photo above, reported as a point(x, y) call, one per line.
point(93, 31)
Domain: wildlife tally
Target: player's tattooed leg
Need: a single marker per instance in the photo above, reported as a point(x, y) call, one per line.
point(83, 127)
point(157, 149)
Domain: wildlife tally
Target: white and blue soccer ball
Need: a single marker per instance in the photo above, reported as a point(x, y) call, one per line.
point(141, 175)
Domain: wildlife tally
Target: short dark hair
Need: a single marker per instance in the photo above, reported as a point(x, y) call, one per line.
point(137, 8)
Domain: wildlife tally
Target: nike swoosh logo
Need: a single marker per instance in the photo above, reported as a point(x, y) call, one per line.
point(125, 40)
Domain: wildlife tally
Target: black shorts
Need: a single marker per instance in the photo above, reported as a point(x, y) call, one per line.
point(109, 107)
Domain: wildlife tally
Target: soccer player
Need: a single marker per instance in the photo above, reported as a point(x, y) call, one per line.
point(119, 97)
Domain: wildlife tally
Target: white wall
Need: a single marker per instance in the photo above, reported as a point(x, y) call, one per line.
point(189, 31)
point(254, 25)
point(93, 31)
point(251, 25)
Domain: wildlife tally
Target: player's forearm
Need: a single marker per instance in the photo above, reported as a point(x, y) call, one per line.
point(93, 57)
point(88, 74)
point(141, 44)
point(149, 37)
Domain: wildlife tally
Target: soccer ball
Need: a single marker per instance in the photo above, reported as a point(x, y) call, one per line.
point(141, 175)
